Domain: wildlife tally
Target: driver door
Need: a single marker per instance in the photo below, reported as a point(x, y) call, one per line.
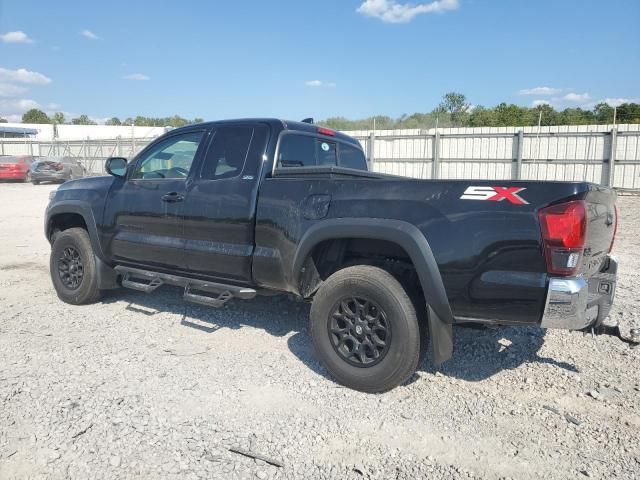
point(144, 212)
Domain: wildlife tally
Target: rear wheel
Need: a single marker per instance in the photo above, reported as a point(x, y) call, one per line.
point(73, 267)
point(365, 330)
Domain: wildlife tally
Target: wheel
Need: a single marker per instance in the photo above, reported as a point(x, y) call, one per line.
point(73, 267)
point(35, 182)
point(365, 330)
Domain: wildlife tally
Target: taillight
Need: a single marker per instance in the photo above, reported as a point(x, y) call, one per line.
point(58, 166)
point(326, 131)
point(564, 232)
point(615, 227)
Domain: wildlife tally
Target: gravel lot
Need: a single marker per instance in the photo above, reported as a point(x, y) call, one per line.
point(146, 386)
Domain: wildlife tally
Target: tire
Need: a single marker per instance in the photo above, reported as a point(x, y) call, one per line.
point(387, 300)
point(76, 288)
point(35, 182)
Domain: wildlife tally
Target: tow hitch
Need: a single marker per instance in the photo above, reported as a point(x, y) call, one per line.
point(633, 338)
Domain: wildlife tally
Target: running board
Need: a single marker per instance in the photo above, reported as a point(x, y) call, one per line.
point(221, 293)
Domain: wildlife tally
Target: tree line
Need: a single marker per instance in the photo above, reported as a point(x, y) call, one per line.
point(455, 111)
point(38, 116)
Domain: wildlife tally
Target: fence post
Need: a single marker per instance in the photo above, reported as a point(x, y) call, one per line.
point(609, 169)
point(435, 164)
point(372, 150)
point(516, 169)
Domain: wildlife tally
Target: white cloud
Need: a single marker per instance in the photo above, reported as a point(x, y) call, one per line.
point(89, 34)
point(136, 76)
point(17, 106)
point(616, 102)
point(537, 103)
point(576, 97)
point(319, 83)
point(539, 91)
point(23, 75)
point(392, 12)
point(8, 90)
point(16, 37)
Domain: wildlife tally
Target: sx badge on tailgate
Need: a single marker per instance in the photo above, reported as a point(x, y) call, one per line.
point(495, 194)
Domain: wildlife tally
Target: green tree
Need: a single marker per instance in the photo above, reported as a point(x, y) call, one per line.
point(628, 113)
point(3, 120)
point(198, 120)
point(455, 104)
point(58, 118)
point(35, 116)
point(113, 121)
point(603, 113)
point(83, 120)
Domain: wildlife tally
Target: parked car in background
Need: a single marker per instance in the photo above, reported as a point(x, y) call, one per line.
point(15, 167)
point(56, 169)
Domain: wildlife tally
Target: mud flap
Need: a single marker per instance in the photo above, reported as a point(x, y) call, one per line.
point(441, 334)
point(107, 276)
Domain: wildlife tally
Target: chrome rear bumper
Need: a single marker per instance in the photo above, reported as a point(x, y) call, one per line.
point(578, 303)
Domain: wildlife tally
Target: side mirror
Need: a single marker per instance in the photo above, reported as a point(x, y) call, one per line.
point(116, 166)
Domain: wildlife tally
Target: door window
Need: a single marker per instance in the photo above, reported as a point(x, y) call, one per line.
point(228, 151)
point(171, 158)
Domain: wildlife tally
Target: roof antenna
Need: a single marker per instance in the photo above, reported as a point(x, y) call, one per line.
point(308, 120)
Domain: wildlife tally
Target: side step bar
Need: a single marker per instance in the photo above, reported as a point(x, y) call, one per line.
point(147, 281)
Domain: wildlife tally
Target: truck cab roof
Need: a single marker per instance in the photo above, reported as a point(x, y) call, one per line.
point(278, 124)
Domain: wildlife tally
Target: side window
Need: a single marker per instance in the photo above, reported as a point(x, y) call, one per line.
point(306, 151)
point(229, 149)
point(171, 158)
point(352, 157)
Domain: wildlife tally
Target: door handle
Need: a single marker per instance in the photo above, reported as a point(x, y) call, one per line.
point(172, 197)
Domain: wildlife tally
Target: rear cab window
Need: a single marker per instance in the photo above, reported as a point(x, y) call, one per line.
point(297, 150)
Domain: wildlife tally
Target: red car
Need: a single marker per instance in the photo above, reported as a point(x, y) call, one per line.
point(15, 167)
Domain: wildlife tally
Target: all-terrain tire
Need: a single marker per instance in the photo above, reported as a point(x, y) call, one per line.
point(73, 246)
point(365, 285)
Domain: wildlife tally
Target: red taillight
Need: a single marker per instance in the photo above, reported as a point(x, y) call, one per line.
point(58, 166)
point(326, 131)
point(564, 232)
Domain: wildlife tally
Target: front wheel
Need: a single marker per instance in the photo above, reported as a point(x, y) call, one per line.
point(73, 267)
point(365, 330)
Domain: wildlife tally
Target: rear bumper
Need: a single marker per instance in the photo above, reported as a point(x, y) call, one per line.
point(578, 303)
point(13, 175)
point(49, 176)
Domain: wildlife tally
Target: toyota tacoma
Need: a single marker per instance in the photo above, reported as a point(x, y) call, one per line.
point(243, 207)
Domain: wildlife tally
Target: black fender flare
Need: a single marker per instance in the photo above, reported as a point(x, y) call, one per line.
point(411, 239)
point(107, 277)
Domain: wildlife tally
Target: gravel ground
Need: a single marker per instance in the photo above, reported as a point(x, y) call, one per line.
point(146, 386)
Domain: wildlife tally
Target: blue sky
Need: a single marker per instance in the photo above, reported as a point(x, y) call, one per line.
point(294, 59)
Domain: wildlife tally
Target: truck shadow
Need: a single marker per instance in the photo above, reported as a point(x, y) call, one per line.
point(481, 352)
point(478, 354)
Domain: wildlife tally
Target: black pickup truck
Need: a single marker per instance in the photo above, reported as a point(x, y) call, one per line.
point(243, 207)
